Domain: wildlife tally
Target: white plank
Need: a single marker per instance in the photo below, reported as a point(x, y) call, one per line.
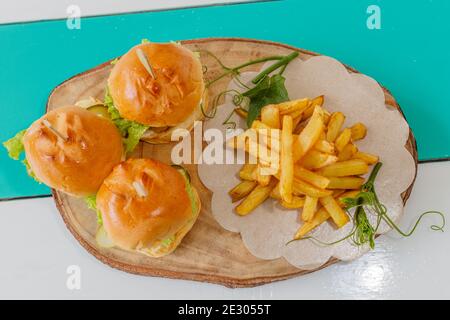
point(37, 249)
point(32, 10)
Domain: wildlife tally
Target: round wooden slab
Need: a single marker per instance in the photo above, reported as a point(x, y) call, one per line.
point(208, 253)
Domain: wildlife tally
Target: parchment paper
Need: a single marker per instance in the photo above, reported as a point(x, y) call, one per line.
point(266, 230)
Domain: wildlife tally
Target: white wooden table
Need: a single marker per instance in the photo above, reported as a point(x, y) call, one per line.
point(37, 249)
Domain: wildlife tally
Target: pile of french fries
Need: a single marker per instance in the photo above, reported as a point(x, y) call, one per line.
point(316, 162)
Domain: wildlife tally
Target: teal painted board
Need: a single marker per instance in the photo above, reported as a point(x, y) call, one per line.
point(409, 55)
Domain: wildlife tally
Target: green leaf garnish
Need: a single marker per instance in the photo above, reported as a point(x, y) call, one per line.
point(270, 90)
point(363, 231)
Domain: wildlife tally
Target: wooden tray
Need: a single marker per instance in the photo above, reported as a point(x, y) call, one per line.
point(208, 253)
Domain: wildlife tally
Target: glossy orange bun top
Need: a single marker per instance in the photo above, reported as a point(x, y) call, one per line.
point(78, 164)
point(166, 100)
point(133, 221)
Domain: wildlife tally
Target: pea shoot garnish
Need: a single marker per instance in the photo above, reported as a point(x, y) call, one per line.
point(363, 232)
point(267, 88)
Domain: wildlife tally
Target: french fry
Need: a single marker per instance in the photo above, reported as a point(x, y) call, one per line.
point(339, 216)
point(234, 142)
point(299, 128)
point(346, 168)
point(264, 130)
point(263, 154)
point(323, 136)
point(293, 106)
point(349, 194)
point(257, 124)
point(301, 187)
point(248, 140)
point(315, 160)
point(348, 152)
point(270, 138)
point(311, 177)
point(309, 208)
point(326, 117)
point(345, 183)
point(317, 168)
point(287, 161)
point(318, 101)
point(248, 172)
point(242, 190)
point(241, 113)
point(338, 192)
point(240, 140)
point(296, 203)
point(296, 119)
point(262, 179)
point(366, 157)
point(334, 126)
point(325, 146)
point(320, 217)
point(308, 112)
point(343, 139)
point(309, 135)
point(296, 114)
point(255, 198)
point(270, 115)
point(275, 193)
point(359, 131)
point(268, 132)
point(258, 151)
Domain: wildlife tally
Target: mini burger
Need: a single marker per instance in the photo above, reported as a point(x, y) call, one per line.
point(147, 206)
point(159, 86)
point(70, 149)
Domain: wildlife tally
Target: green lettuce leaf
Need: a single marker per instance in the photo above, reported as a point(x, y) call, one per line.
point(270, 90)
point(168, 241)
point(131, 131)
point(135, 133)
point(14, 146)
point(29, 171)
point(91, 202)
point(108, 101)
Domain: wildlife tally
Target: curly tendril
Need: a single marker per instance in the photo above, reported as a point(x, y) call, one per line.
point(367, 200)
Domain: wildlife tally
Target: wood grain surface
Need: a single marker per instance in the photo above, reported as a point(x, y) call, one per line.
point(208, 253)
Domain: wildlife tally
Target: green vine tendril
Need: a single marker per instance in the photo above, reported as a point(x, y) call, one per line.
point(367, 200)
